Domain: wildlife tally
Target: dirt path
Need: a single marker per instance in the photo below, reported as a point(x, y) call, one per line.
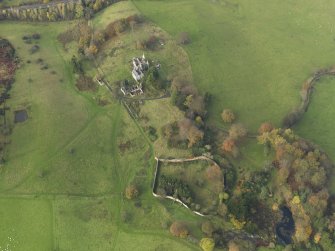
point(166, 95)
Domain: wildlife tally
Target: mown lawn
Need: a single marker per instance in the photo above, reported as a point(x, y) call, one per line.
point(251, 55)
point(26, 224)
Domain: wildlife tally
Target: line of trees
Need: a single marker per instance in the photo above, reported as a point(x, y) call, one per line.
point(56, 11)
point(90, 41)
point(8, 65)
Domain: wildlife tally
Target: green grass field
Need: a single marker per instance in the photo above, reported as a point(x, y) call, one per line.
point(26, 224)
point(63, 183)
point(253, 57)
point(61, 121)
point(65, 174)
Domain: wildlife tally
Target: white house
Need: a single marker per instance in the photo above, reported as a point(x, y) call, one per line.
point(140, 66)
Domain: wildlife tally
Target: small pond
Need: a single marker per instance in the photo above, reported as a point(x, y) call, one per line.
point(20, 116)
point(285, 227)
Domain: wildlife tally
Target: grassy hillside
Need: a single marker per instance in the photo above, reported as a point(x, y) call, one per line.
point(58, 114)
point(65, 174)
point(62, 186)
point(251, 56)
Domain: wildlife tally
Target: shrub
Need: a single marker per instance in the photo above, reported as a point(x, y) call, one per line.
point(45, 67)
point(229, 146)
point(99, 38)
point(169, 130)
point(306, 89)
point(189, 131)
point(197, 151)
point(214, 173)
point(39, 61)
point(77, 66)
point(179, 229)
point(151, 42)
point(207, 228)
point(91, 50)
point(125, 216)
point(131, 192)
point(34, 49)
point(228, 116)
point(36, 36)
point(223, 196)
point(28, 41)
point(120, 26)
point(192, 239)
point(135, 19)
point(165, 224)
point(196, 104)
point(207, 244)
point(232, 246)
point(222, 210)
point(110, 31)
point(184, 38)
point(241, 206)
point(237, 131)
point(178, 99)
point(265, 127)
point(85, 83)
point(26, 37)
point(152, 133)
